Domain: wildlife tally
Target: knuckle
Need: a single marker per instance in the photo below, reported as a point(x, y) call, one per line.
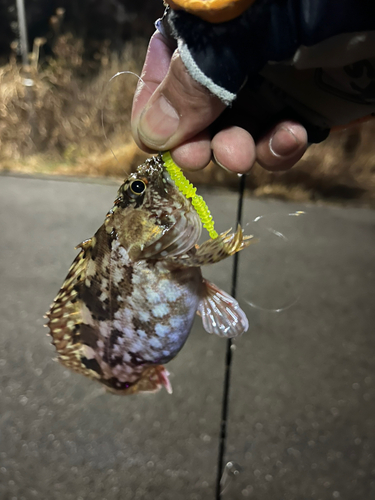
point(185, 87)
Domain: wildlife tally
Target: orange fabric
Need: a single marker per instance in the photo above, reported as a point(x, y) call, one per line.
point(354, 122)
point(213, 11)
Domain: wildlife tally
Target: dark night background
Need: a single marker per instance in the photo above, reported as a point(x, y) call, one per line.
point(116, 20)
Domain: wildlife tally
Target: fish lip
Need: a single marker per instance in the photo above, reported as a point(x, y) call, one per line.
point(168, 178)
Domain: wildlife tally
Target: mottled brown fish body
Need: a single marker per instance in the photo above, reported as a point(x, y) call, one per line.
point(131, 295)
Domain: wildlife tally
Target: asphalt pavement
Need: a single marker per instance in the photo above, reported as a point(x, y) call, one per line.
point(302, 402)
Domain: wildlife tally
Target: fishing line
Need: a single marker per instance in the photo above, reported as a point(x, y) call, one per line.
point(105, 90)
point(220, 478)
point(275, 310)
point(285, 239)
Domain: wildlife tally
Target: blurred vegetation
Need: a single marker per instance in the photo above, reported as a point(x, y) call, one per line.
point(51, 113)
point(51, 122)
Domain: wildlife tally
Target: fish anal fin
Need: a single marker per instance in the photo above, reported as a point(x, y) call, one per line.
point(152, 379)
point(221, 313)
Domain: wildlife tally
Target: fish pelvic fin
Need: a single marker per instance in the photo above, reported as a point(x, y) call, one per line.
point(221, 313)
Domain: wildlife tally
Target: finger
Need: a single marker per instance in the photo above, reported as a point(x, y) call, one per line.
point(194, 154)
point(178, 110)
point(234, 149)
point(154, 70)
point(282, 147)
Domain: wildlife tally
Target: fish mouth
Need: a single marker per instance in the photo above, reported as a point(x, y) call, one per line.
point(168, 178)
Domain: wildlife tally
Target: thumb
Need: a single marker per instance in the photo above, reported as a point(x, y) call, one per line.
point(177, 110)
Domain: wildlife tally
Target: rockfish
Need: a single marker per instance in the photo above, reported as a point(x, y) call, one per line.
point(129, 300)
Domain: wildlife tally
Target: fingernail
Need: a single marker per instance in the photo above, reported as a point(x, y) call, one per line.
point(283, 143)
point(219, 164)
point(158, 122)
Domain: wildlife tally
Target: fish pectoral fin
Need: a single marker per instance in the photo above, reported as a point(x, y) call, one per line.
point(221, 313)
point(175, 241)
point(215, 250)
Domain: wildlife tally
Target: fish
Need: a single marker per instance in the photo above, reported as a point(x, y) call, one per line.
point(129, 300)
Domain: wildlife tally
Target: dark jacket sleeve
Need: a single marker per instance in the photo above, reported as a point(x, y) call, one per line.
point(334, 40)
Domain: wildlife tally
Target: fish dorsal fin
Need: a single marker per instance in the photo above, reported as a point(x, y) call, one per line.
point(221, 313)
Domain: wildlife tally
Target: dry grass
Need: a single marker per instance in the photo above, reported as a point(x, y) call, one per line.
point(55, 126)
point(59, 116)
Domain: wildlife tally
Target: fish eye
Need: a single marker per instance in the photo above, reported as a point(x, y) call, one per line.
point(137, 187)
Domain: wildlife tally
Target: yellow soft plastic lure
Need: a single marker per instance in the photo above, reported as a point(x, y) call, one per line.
point(189, 191)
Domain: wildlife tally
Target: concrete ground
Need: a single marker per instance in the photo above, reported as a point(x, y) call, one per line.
point(302, 403)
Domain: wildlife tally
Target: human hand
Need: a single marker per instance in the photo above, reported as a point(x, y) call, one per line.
point(173, 112)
